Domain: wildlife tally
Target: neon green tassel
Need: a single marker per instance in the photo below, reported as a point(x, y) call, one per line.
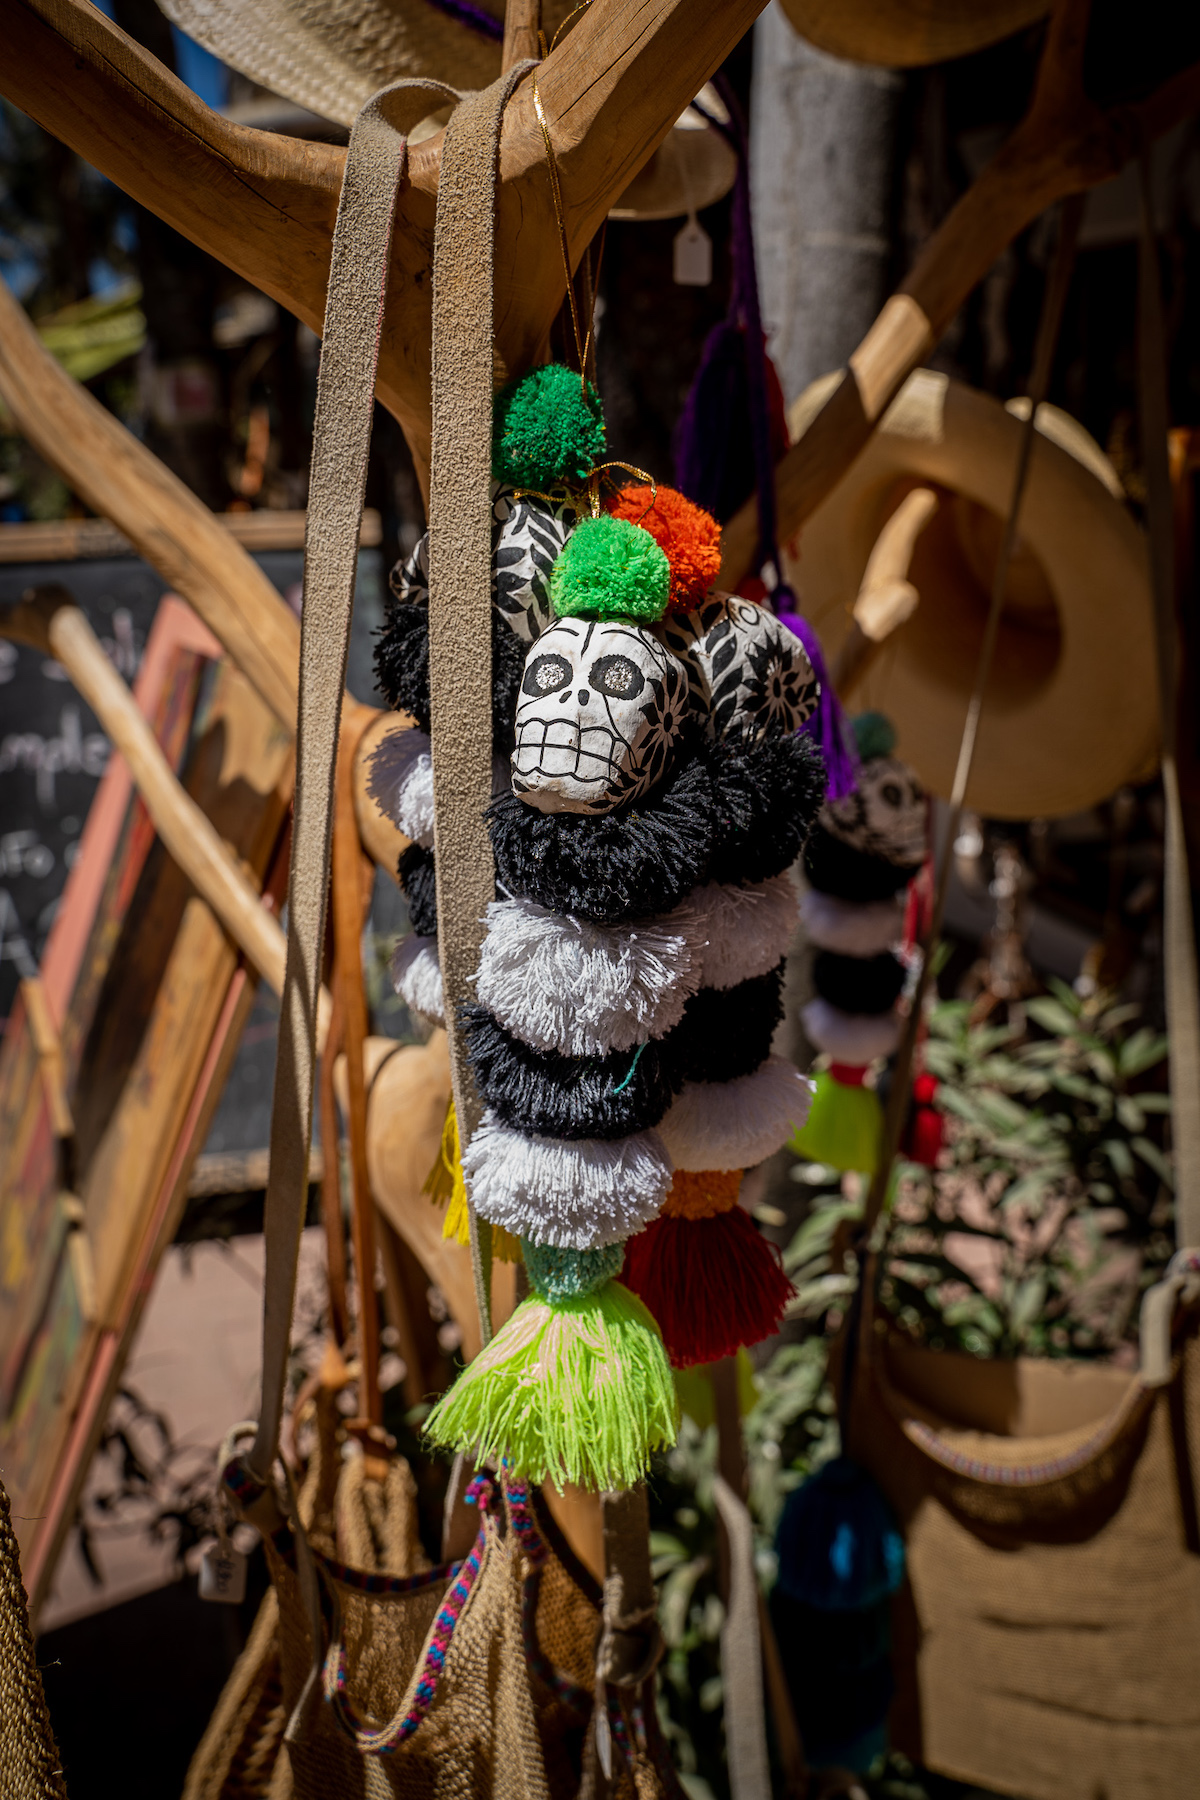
point(843, 1126)
point(579, 1391)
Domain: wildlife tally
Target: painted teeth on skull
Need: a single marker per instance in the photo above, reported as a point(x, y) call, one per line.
point(601, 704)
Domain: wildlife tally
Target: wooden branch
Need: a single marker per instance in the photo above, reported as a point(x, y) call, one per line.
point(265, 205)
point(886, 597)
point(50, 621)
point(1063, 146)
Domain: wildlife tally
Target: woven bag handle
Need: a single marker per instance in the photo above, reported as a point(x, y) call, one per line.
point(376, 161)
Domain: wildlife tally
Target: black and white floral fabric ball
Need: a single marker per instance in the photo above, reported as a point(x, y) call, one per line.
point(527, 535)
point(748, 675)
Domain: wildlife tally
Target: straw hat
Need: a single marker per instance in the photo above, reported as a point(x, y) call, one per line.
point(1071, 713)
point(331, 55)
point(907, 34)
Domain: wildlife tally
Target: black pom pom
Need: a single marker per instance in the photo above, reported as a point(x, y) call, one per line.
point(832, 867)
point(419, 881)
point(623, 865)
point(725, 1035)
point(766, 796)
point(858, 984)
point(402, 669)
point(508, 666)
point(402, 660)
point(564, 1096)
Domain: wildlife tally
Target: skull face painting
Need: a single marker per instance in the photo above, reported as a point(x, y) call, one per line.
point(749, 677)
point(600, 710)
point(885, 815)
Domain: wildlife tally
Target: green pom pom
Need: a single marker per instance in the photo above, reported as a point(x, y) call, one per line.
point(874, 735)
point(546, 428)
point(610, 569)
point(580, 1391)
point(559, 1274)
point(843, 1126)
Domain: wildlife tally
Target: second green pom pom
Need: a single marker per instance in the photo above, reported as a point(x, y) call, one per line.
point(610, 569)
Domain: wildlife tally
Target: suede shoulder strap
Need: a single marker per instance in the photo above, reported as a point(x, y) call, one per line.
point(375, 166)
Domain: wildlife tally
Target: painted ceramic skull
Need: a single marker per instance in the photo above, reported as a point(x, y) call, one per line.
point(600, 709)
point(748, 675)
point(885, 816)
point(527, 535)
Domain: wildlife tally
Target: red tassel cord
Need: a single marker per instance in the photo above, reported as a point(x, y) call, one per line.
point(711, 1280)
point(926, 1126)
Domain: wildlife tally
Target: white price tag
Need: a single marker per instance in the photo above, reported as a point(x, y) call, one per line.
point(693, 255)
point(223, 1574)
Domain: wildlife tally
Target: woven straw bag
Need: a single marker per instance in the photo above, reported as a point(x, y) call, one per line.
point(30, 1768)
point(1049, 1638)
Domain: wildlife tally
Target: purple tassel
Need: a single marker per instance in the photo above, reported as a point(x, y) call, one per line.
point(464, 13)
point(827, 726)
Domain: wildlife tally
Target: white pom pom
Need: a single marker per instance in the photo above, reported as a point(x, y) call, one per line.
point(856, 1038)
point(561, 984)
point(852, 927)
point(735, 1124)
point(578, 1194)
point(739, 932)
point(414, 801)
point(417, 977)
point(394, 762)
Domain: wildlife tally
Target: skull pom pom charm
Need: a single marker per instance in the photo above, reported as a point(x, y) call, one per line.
point(642, 851)
point(865, 849)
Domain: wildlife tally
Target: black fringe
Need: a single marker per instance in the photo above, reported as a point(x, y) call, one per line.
point(766, 798)
point(858, 984)
point(832, 867)
point(419, 881)
point(402, 669)
point(562, 1096)
point(726, 1034)
point(623, 865)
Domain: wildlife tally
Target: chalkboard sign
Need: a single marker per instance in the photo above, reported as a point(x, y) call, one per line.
point(52, 750)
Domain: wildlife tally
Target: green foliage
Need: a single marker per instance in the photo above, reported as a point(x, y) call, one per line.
point(547, 428)
point(610, 569)
point(1055, 1166)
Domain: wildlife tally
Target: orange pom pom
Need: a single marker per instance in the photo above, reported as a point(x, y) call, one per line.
point(690, 537)
point(702, 1193)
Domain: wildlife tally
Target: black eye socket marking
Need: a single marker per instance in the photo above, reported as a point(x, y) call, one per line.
point(546, 674)
point(891, 793)
point(617, 677)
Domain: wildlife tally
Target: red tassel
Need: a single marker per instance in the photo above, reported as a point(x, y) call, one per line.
point(712, 1284)
point(926, 1126)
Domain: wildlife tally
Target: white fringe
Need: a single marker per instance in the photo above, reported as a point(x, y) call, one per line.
point(738, 932)
point(852, 927)
point(735, 1124)
point(562, 984)
point(414, 801)
point(576, 1194)
point(417, 977)
point(856, 1038)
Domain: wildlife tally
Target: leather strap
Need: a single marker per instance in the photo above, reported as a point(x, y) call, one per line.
point(460, 578)
point(375, 165)
point(741, 1656)
point(1179, 940)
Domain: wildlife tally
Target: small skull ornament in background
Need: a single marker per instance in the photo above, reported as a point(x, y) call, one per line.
point(599, 714)
point(527, 535)
point(886, 815)
point(748, 675)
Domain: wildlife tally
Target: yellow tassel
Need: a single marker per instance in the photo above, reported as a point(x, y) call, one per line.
point(446, 1187)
